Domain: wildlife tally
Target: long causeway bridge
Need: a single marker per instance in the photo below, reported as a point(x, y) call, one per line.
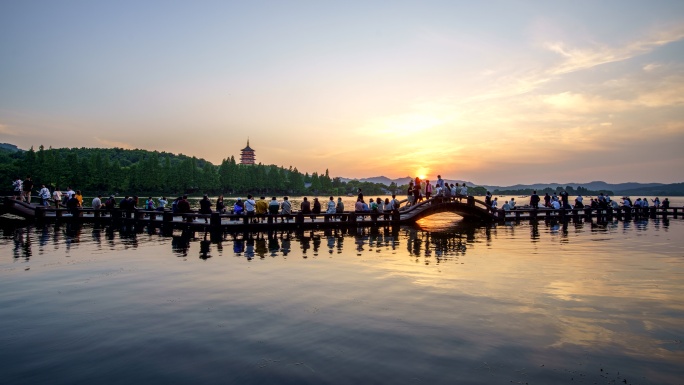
point(470, 208)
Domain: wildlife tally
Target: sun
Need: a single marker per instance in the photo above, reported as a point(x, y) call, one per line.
point(422, 172)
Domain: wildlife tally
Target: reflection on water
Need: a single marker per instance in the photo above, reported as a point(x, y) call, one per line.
point(439, 302)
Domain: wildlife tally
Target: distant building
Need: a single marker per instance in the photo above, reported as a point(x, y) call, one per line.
point(247, 155)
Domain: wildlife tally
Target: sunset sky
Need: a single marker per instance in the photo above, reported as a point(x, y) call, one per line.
point(493, 92)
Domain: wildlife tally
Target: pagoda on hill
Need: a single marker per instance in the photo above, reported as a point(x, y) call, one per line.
point(247, 155)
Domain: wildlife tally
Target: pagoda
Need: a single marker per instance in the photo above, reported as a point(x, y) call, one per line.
point(247, 155)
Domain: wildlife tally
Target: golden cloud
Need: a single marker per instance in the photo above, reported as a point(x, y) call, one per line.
point(579, 59)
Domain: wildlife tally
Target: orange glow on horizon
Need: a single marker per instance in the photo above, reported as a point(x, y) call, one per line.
point(422, 172)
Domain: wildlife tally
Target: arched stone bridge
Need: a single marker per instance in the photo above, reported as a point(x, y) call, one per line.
point(469, 208)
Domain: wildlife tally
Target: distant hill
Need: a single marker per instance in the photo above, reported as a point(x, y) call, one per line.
point(9, 147)
point(399, 181)
point(376, 179)
point(628, 188)
point(594, 186)
point(674, 189)
point(619, 187)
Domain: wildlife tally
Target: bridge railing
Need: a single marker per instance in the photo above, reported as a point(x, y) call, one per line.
point(216, 218)
point(39, 212)
point(470, 201)
point(588, 212)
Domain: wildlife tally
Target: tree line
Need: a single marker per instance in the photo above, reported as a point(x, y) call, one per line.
point(141, 172)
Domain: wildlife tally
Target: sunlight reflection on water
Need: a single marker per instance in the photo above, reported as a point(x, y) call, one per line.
point(439, 302)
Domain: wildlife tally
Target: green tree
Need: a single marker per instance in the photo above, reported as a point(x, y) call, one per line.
point(315, 186)
point(326, 182)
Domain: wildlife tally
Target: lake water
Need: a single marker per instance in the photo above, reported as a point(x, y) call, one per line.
point(441, 302)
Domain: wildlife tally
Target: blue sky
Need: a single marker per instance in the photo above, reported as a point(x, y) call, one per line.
point(496, 92)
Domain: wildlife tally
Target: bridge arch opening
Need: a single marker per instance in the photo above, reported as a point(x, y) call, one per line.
point(439, 221)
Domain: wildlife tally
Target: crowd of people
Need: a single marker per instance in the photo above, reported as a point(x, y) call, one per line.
point(561, 200)
point(418, 190)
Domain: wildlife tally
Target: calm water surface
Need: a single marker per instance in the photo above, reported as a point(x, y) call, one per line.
point(438, 303)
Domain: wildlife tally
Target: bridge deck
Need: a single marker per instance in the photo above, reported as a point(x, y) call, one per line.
point(468, 207)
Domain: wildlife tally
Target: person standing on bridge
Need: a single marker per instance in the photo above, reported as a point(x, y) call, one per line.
point(57, 197)
point(97, 202)
point(534, 200)
point(149, 204)
point(428, 189)
point(564, 199)
point(395, 203)
point(174, 205)
point(28, 186)
point(205, 206)
point(18, 186)
point(409, 194)
point(73, 206)
point(68, 194)
point(79, 197)
point(440, 182)
point(464, 192)
point(44, 195)
point(416, 191)
point(163, 202)
point(488, 199)
point(110, 205)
